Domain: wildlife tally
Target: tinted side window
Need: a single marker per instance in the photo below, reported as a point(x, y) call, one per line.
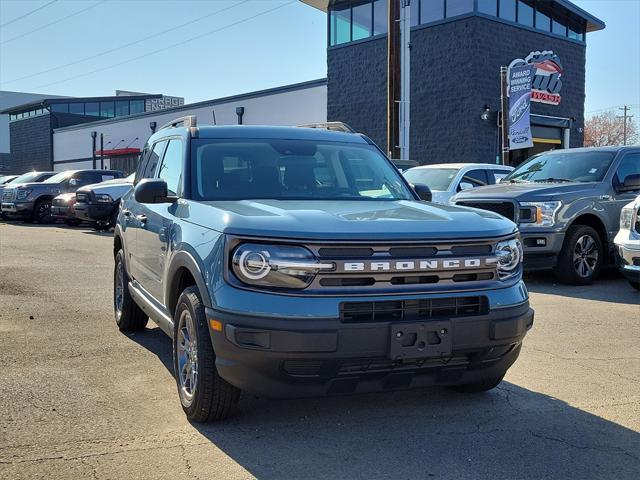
point(154, 158)
point(630, 165)
point(476, 176)
point(86, 178)
point(144, 158)
point(171, 168)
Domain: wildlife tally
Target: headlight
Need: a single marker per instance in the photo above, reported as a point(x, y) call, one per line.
point(104, 198)
point(276, 266)
point(510, 255)
point(22, 194)
point(626, 218)
point(543, 213)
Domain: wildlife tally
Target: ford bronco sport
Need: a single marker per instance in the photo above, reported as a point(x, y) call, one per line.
point(287, 261)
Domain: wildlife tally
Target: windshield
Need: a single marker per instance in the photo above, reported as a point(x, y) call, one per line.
point(25, 178)
point(438, 179)
point(292, 169)
point(59, 177)
point(563, 166)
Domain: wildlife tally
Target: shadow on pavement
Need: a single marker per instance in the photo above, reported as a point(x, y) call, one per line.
point(609, 287)
point(508, 433)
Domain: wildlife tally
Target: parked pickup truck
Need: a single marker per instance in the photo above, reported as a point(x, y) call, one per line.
point(628, 242)
point(99, 203)
point(567, 204)
point(32, 201)
point(15, 181)
point(280, 268)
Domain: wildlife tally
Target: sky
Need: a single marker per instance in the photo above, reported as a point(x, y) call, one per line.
point(204, 49)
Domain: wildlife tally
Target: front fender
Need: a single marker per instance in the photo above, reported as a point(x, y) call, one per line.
point(582, 206)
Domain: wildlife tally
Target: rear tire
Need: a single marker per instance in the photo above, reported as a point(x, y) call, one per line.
point(129, 317)
point(581, 257)
point(42, 212)
point(204, 395)
point(479, 387)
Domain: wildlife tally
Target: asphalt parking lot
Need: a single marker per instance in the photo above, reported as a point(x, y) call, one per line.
point(78, 399)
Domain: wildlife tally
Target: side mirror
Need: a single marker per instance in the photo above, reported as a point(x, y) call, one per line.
point(152, 190)
point(74, 182)
point(630, 184)
point(465, 186)
point(423, 191)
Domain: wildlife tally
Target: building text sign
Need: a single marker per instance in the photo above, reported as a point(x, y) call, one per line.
point(520, 79)
point(547, 79)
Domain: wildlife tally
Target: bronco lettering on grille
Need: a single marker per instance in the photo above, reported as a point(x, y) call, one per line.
point(418, 265)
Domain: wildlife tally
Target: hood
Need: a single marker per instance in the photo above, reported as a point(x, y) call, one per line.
point(41, 187)
point(527, 191)
point(347, 220)
point(115, 189)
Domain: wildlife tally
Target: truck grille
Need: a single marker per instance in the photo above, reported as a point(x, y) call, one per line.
point(413, 310)
point(9, 195)
point(506, 209)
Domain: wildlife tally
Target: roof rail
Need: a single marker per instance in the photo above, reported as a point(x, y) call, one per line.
point(188, 122)
point(335, 126)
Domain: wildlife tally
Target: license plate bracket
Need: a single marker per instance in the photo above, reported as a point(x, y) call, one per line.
point(420, 340)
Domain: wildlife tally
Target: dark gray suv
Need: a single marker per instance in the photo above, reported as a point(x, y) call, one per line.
point(567, 205)
point(289, 261)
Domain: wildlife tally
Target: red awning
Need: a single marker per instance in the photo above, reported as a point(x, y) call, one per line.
point(118, 152)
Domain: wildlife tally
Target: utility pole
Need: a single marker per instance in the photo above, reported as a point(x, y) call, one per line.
point(626, 109)
point(405, 76)
point(393, 77)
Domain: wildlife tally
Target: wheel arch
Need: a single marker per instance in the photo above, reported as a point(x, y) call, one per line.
point(594, 221)
point(183, 272)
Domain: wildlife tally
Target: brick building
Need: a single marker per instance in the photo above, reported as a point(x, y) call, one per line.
point(457, 49)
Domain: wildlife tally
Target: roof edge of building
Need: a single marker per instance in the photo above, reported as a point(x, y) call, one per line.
point(243, 96)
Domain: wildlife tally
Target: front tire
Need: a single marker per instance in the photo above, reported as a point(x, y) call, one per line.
point(204, 395)
point(129, 316)
point(42, 212)
point(581, 257)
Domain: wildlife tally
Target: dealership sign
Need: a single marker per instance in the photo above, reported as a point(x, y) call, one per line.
point(547, 81)
point(520, 79)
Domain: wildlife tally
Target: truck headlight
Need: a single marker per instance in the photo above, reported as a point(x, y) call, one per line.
point(543, 213)
point(23, 193)
point(276, 266)
point(104, 198)
point(626, 218)
point(510, 256)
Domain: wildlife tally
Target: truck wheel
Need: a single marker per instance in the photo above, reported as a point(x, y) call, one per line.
point(478, 387)
point(581, 257)
point(42, 212)
point(129, 316)
point(204, 395)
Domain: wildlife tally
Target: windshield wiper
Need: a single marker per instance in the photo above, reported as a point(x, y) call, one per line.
point(553, 180)
point(515, 180)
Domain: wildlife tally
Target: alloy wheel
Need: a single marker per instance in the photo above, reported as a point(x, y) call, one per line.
point(44, 212)
point(585, 256)
point(118, 292)
point(187, 353)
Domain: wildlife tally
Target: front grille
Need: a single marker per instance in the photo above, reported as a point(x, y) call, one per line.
point(8, 195)
point(413, 310)
point(506, 209)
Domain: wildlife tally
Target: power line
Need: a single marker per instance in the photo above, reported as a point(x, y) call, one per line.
point(53, 23)
point(27, 14)
point(164, 49)
point(608, 109)
point(126, 45)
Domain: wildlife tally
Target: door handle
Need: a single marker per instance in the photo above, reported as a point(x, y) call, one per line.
point(605, 197)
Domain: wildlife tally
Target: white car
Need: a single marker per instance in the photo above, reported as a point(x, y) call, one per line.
point(628, 242)
point(447, 179)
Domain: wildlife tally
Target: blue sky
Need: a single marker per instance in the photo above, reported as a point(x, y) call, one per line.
point(250, 50)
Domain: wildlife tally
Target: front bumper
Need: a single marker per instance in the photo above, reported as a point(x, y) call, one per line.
point(628, 253)
point(541, 249)
point(16, 208)
point(94, 212)
point(61, 212)
point(299, 357)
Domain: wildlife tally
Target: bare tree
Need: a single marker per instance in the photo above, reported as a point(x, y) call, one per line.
point(608, 129)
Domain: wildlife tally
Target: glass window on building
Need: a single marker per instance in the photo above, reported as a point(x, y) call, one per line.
point(107, 109)
point(122, 108)
point(559, 28)
point(458, 7)
point(92, 109)
point(77, 108)
point(60, 107)
point(507, 10)
point(525, 14)
point(380, 24)
point(136, 106)
point(490, 7)
point(415, 12)
point(431, 11)
point(340, 26)
point(361, 21)
point(543, 22)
